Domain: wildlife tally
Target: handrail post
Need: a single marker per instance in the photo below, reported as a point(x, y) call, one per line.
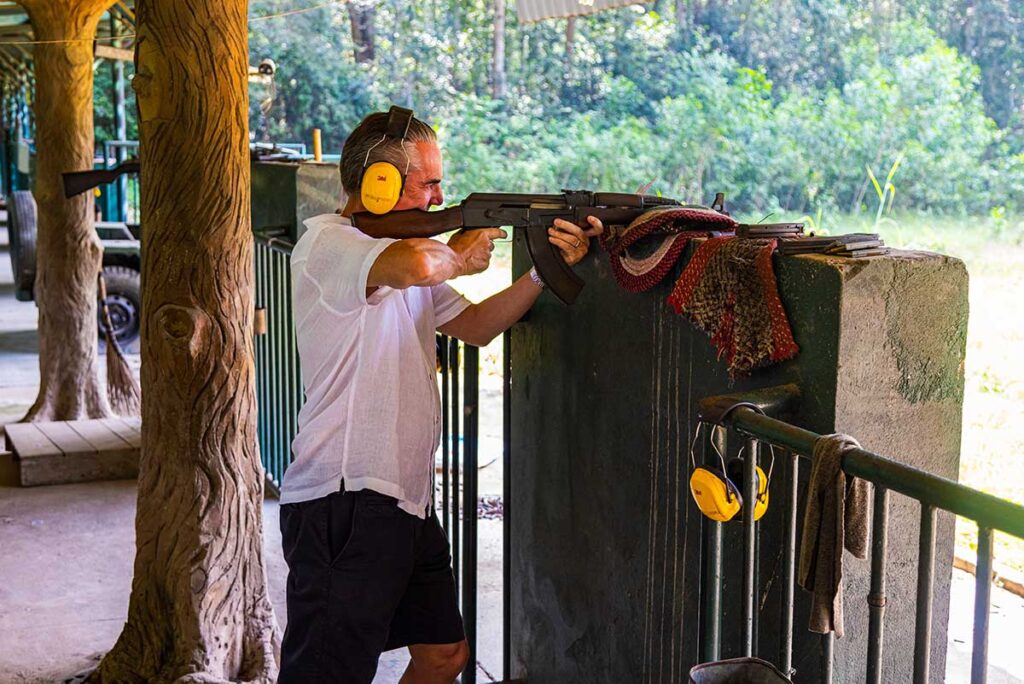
point(749, 540)
point(789, 576)
point(445, 429)
point(469, 507)
point(925, 585)
point(982, 601)
point(877, 598)
point(712, 636)
point(456, 408)
point(506, 500)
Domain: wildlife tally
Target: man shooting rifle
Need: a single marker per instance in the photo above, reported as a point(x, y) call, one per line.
point(369, 565)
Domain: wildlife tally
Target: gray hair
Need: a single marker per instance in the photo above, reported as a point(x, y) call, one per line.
point(367, 135)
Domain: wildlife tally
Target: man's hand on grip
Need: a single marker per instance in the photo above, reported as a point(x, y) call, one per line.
point(475, 247)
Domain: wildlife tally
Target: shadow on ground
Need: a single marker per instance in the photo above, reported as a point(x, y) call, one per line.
point(19, 341)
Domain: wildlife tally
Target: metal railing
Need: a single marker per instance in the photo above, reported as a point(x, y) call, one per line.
point(460, 442)
point(746, 415)
point(279, 393)
point(279, 396)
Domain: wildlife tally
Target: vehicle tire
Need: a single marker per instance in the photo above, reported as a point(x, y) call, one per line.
point(21, 230)
point(124, 299)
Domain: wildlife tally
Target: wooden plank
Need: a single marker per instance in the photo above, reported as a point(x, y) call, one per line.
point(69, 441)
point(26, 440)
point(111, 52)
point(99, 435)
point(134, 423)
point(83, 451)
point(123, 430)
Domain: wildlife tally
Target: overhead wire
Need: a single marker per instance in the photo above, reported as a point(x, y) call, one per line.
point(97, 39)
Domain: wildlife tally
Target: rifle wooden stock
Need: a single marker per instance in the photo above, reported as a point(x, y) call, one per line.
point(412, 223)
point(77, 182)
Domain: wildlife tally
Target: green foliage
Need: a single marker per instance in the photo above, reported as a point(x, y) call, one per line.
point(103, 102)
point(317, 82)
point(782, 105)
point(886, 193)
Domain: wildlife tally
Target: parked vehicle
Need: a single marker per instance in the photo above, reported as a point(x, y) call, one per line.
point(122, 263)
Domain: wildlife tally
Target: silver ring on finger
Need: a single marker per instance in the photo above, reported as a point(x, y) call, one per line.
point(577, 243)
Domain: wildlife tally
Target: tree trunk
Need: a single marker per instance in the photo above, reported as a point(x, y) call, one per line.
point(684, 24)
point(570, 39)
point(199, 609)
point(499, 83)
point(68, 251)
point(360, 17)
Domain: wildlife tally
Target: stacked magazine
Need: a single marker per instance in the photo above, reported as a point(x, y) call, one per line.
point(769, 230)
point(854, 245)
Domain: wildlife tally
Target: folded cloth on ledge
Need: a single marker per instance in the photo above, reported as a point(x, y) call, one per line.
point(728, 290)
point(678, 225)
point(835, 517)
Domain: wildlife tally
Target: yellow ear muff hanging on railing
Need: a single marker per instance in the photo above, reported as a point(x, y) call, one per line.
point(715, 495)
point(761, 504)
point(382, 183)
point(734, 472)
point(715, 491)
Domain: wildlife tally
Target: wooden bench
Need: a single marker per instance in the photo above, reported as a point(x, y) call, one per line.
point(75, 450)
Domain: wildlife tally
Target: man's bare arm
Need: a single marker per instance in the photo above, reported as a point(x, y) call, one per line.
point(481, 323)
point(416, 262)
point(422, 262)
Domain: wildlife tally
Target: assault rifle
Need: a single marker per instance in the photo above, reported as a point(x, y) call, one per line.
point(535, 213)
point(77, 182)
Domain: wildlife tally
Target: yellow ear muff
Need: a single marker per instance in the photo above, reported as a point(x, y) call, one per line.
point(381, 187)
point(715, 497)
point(761, 503)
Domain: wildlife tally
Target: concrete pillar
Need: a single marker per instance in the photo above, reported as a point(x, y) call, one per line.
point(606, 544)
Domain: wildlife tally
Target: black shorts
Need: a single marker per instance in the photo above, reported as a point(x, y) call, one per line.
point(364, 577)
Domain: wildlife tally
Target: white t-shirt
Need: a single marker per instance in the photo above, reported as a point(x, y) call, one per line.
point(372, 414)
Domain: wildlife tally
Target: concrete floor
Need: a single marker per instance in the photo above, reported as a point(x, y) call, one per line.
point(67, 568)
point(66, 552)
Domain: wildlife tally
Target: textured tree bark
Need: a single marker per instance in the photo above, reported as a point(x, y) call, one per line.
point(199, 609)
point(68, 251)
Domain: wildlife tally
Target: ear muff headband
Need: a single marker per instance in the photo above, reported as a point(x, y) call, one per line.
point(382, 183)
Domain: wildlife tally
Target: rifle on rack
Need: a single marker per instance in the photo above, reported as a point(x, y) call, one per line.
point(535, 213)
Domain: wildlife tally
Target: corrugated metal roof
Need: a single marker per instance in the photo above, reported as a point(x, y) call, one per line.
point(535, 10)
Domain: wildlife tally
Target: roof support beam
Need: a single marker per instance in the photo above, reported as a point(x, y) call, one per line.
point(111, 52)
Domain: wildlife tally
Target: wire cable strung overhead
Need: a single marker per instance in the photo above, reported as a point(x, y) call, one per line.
point(265, 17)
